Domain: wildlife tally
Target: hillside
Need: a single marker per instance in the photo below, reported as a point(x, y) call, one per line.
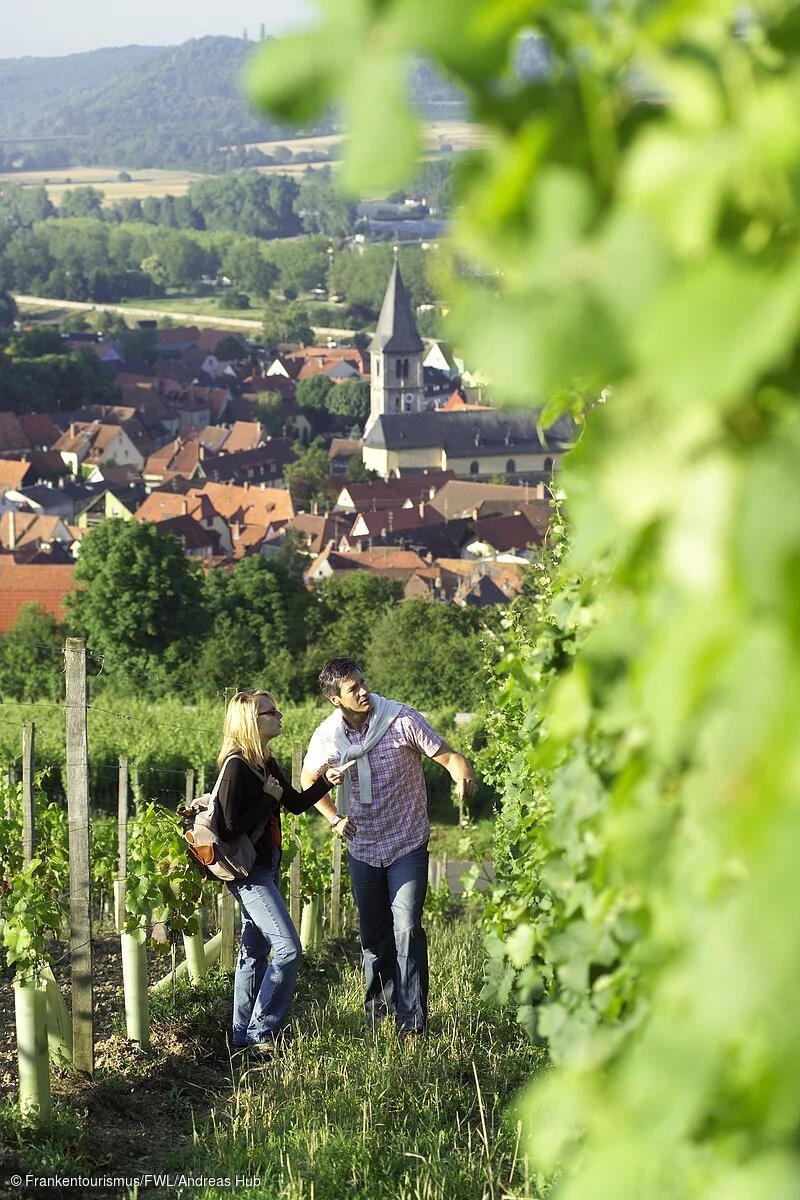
point(145, 106)
point(170, 106)
point(33, 91)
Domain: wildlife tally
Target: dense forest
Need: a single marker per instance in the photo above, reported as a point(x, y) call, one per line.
point(145, 106)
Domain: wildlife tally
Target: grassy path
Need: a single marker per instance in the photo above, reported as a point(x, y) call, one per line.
point(345, 1114)
point(339, 1114)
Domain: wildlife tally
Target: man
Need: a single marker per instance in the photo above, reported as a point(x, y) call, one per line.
point(384, 805)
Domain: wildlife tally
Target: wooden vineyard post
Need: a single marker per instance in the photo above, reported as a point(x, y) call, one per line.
point(294, 869)
point(189, 793)
point(136, 788)
point(122, 844)
point(227, 950)
point(80, 910)
point(28, 802)
point(336, 888)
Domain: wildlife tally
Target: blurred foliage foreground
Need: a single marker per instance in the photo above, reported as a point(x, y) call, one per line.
point(632, 225)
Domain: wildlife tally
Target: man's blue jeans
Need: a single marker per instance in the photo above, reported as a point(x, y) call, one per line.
point(262, 993)
point(393, 942)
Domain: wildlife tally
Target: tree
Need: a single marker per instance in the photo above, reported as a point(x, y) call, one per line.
point(31, 657)
point(139, 606)
point(8, 310)
point(257, 626)
point(231, 349)
point(314, 392)
point(37, 342)
point(309, 477)
point(356, 471)
point(346, 610)
point(286, 323)
point(429, 655)
point(183, 259)
point(138, 343)
point(362, 278)
point(81, 202)
point(302, 263)
point(350, 399)
point(23, 207)
point(269, 412)
point(247, 268)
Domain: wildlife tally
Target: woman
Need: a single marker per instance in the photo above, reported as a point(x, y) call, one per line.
point(251, 790)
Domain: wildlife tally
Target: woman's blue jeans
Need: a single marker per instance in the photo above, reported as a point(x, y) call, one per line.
point(393, 943)
point(262, 992)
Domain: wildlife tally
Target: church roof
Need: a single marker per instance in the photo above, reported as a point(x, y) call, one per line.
point(461, 434)
point(396, 331)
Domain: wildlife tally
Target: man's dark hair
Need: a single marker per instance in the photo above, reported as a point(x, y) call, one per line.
point(336, 672)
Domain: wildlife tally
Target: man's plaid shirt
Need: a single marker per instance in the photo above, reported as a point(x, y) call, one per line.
point(396, 821)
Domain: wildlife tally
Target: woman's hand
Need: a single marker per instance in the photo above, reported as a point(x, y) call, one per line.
point(335, 775)
point(272, 787)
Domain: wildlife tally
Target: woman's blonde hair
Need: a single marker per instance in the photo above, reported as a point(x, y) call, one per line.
point(240, 732)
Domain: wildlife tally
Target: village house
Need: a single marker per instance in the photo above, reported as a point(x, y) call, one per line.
point(19, 529)
point(264, 464)
point(112, 502)
point(85, 446)
point(341, 452)
point(316, 531)
point(197, 541)
point(161, 508)
point(465, 498)
point(62, 501)
point(396, 492)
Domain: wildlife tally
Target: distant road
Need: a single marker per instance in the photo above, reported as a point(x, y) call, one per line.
point(213, 319)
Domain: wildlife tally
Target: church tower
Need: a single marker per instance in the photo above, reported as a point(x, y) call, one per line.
point(396, 355)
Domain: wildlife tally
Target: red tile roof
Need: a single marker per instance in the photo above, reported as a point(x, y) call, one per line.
point(40, 429)
point(184, 333)
point(244, 435)
point(44, 585)
point(12, 473)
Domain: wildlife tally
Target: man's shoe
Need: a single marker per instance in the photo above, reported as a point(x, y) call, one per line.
point(262, 1051)
point(272, 1045)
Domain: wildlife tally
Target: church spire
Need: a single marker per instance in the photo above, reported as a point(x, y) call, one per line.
point(397, 380)
point(396, 331)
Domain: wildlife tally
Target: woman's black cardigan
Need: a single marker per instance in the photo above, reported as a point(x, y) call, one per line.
point(244, 804)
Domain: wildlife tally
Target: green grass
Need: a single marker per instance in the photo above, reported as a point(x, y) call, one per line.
point(345, 1113)
point(340, 1113)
